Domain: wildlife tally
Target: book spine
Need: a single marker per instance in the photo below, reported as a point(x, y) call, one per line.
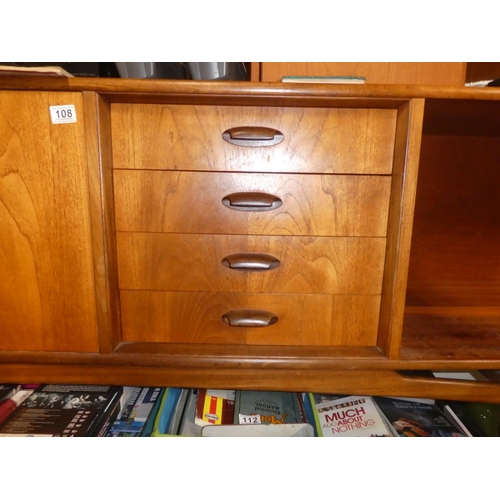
point(129, 405)
point(148, 427)
point(317, 423)
point(146, 406)
point(132, 415)
point(108, 419)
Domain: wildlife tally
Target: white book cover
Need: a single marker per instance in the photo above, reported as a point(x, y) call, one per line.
point(353, 416)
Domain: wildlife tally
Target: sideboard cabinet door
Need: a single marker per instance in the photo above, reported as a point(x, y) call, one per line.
point(47, 297)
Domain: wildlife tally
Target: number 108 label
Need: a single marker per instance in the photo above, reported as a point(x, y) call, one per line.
point(63, 114)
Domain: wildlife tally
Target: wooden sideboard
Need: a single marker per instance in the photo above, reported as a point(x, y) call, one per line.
point(245, 235)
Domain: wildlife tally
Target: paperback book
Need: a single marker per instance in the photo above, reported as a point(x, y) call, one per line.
point(214, 407)
point(8, 390)
point(351, 416)
point(61, 410)
point(137, 411)
point(268, 407)
point(416, 419)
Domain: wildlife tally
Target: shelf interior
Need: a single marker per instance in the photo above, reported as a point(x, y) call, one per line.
point(453, 294)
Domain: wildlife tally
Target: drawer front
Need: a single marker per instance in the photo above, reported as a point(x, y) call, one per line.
point(250, 264)
point(197, 318)
point(316, 140)
point(192, 202)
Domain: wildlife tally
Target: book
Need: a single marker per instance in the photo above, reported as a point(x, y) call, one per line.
point(9, 405)
point(60, 410)
point(268, 407)
point(107, 419)
point(415, 419)
point(170, 412)
point(178, 412)
point(450, 413)
point(8, 390)
point(147, 401)
point(147, 430)
point(480, 419)
point(144, 404)
point(138, 407)
point(214, 407)
point(188, 427)
point(348, 416)
point(128, 407)
point(323, 79)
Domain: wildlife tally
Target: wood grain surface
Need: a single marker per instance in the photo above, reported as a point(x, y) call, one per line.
point(47, 293)
point(191, 202)
point(321, 140)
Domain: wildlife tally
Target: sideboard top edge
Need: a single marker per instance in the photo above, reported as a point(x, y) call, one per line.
point(113, 86)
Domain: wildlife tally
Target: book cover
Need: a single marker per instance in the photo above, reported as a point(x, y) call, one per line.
point(61, 410)
point(348, 416)
point(8, 390)
point(134, 394)
point(107, 419)
point(136, 412)
point(480, 419)
point(214, 407)
point(170, 412)
point(147, 430)
point(450, 413)
point(144, 404)
point(415, 419)
point(9, 405)
point(268, 407)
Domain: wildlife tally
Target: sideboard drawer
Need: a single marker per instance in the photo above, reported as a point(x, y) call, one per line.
point(316, 140)
point(193, 202)
point(197, 318)
point(238, 263)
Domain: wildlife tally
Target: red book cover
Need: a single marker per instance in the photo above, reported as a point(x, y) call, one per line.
point(214, 407)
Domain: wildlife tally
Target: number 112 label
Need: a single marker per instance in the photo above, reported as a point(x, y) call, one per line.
point(63, 114)
point(249, 419)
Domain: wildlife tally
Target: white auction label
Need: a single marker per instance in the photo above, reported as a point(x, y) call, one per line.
point(63, 114)
point(249, 419)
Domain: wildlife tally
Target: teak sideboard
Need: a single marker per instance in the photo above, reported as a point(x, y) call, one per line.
point(243, 235)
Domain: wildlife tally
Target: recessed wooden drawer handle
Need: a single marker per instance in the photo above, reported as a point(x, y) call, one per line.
point(253, 136)
point(252, 202)
point(251, 261)
point(253, 318)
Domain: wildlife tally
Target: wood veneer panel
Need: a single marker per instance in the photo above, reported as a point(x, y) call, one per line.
point(183, 262)
point(102, 220)
point(414, 73)
point(47, 298)
point(454, 258)
point(190, 317)
point(406, 158)
point(191, 202)
point(322, 140)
